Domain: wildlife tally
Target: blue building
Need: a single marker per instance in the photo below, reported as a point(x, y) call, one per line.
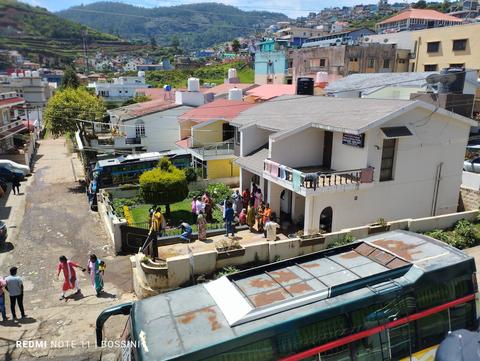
point(271, 62)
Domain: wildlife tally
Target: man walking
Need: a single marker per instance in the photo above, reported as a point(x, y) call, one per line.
point(15, 289)
point(229, 217)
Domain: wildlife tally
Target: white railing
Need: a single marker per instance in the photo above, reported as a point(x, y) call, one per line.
point(213, 149)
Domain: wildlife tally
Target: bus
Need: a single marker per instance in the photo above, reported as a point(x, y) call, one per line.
point(390, 296)
point(127, 169)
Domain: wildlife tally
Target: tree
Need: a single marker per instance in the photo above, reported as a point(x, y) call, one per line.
point(70, 78)
point(175, 42)
point(235, 46)
point(67, 107)
point(153, 42)
point(164, 185)
point(421, 4)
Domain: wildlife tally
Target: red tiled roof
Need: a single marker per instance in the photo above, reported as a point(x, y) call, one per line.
point(219, 109)
point(224, 88)
point(426, 14)
point(11, 101)
point(269, 91)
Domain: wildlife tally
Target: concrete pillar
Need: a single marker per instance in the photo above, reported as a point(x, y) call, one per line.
point(307, 227)
point(274, 191)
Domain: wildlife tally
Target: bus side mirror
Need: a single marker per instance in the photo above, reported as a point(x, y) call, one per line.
point(123, 309)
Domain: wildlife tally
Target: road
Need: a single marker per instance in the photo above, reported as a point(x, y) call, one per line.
point(50, 218)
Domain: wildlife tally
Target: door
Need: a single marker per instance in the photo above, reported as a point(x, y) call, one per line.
point(327, 149)
point(326, 218)
point(286, 202)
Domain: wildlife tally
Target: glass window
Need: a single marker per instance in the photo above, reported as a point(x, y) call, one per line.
point(459, 45)
point(373, 348)
point(386, 63)
point(402, 341)
point(315, 63)
point(457, 65)
point(311, 335)
point(433, 47)
point(337, 354)
point(430, 67)
point(462, 316)
point(432, 329)
point(258, 351)
point(370, 63)
point(323, 62)
point(388, 157)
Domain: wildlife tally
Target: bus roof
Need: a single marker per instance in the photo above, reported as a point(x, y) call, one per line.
point(183, 322)
point(131, 158)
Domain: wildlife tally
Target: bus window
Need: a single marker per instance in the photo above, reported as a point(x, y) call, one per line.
point(311, 335)
point(402, 341)
point(430, 296)
point(258, 351)
point(432, 329)
point(336, 354)
point(461, 316)
point(373, 348)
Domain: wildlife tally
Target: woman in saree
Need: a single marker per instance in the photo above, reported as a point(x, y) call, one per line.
point(96, 269)
point(202, 226)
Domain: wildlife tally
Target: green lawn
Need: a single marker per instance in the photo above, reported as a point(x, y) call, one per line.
point(180, 211)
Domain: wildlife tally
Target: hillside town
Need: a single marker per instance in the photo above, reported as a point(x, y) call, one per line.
point(308, 191)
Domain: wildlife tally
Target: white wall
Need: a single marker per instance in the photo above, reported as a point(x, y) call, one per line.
point(437, 139)
point(302, 149)
point(393, 92)
point(345, 157)
point(252, 138)
point(471, 180)
point(403, 40)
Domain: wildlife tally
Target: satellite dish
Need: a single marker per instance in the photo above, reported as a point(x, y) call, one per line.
point(433, 78)
point(366, 38)
point(385, 40)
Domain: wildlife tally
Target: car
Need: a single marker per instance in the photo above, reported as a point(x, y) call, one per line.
point(10, 175)
point(11, 165)
point(3, 232)
point(472, 165)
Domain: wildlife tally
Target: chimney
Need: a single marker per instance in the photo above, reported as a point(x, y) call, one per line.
point(450, 93)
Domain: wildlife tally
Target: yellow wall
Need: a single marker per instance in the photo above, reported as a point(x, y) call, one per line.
point(222, 169)
point(446, 56)
point(209, 133)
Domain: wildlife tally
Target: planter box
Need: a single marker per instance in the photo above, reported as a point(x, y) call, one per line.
point(312, 241)
point(154, 270)
point(378, 229)
point(231, 253)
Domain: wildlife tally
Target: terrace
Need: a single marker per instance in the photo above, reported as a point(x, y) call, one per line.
point(211, 150)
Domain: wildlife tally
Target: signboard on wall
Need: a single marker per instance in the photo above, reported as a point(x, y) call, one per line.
point(354, 140)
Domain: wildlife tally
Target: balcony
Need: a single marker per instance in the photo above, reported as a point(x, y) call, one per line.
point(316, 179)
point(212, 150)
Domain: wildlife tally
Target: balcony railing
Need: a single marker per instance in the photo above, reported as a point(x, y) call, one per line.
point(314, 180)
point(214, 149)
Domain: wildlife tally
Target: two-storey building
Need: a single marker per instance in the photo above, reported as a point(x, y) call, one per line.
point(332, 163)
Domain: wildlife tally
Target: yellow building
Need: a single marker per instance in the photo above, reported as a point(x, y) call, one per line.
point(453, 46)
point(207, 135)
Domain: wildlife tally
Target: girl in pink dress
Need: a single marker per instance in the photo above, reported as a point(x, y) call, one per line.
point(70, 276)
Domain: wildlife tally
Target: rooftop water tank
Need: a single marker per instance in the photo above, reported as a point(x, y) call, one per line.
point(141, 74)
point(35, 74)
point(14, 75)
point(193, 84)
point(321, 77)
point(20, 75)
point(235, 94)
point(305, 86)
point(28, 74)
point(167, 87)
point(232, 73)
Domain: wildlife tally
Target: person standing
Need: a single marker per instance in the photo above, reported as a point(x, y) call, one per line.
point(251, 216)
point(259, 216)
point(229, 216)
point(15, 290)
point(158, 223)
point(3, 284)
point(202, 227)
point(96, 269)
point(70, 276)
point(208, 207)
point(194, 208)
point(237, 202)
point(16, 186)
point(246, 197)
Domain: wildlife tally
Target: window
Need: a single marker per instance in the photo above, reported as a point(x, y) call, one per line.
point(459, 45)
point(432, 329)
point(139, 129)
point(370, 63)
point(315, 63)
point(388, 157)
point(386, 63)
point(323, 62)
point(258, 351)
point(237, 136)
point(457, 65)
point(401, 61)
point(433, 47)
point(354, 60)
point(430, 67)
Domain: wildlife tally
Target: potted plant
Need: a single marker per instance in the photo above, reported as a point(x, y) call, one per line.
point(379, 226)
point(229, 248)
point(312, 239)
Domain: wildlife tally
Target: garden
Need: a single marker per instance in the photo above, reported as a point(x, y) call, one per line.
point(167, 187)
point(464, 234)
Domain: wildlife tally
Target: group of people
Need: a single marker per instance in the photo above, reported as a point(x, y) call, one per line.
point(14, 285)
point(96, 270)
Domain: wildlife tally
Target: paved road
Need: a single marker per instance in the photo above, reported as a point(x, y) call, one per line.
point(51, 218)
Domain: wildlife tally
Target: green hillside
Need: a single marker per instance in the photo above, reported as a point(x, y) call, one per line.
point(43, 36)
point(194, 25)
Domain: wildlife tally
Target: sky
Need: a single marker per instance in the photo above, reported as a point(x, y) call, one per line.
point(293, 8)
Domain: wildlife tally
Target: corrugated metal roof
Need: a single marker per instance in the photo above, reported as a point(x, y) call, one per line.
point(184, 321)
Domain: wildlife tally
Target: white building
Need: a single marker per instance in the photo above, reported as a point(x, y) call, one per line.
point(120, 89)
point(9, 125)
point(334, 163)
point(32, 88)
